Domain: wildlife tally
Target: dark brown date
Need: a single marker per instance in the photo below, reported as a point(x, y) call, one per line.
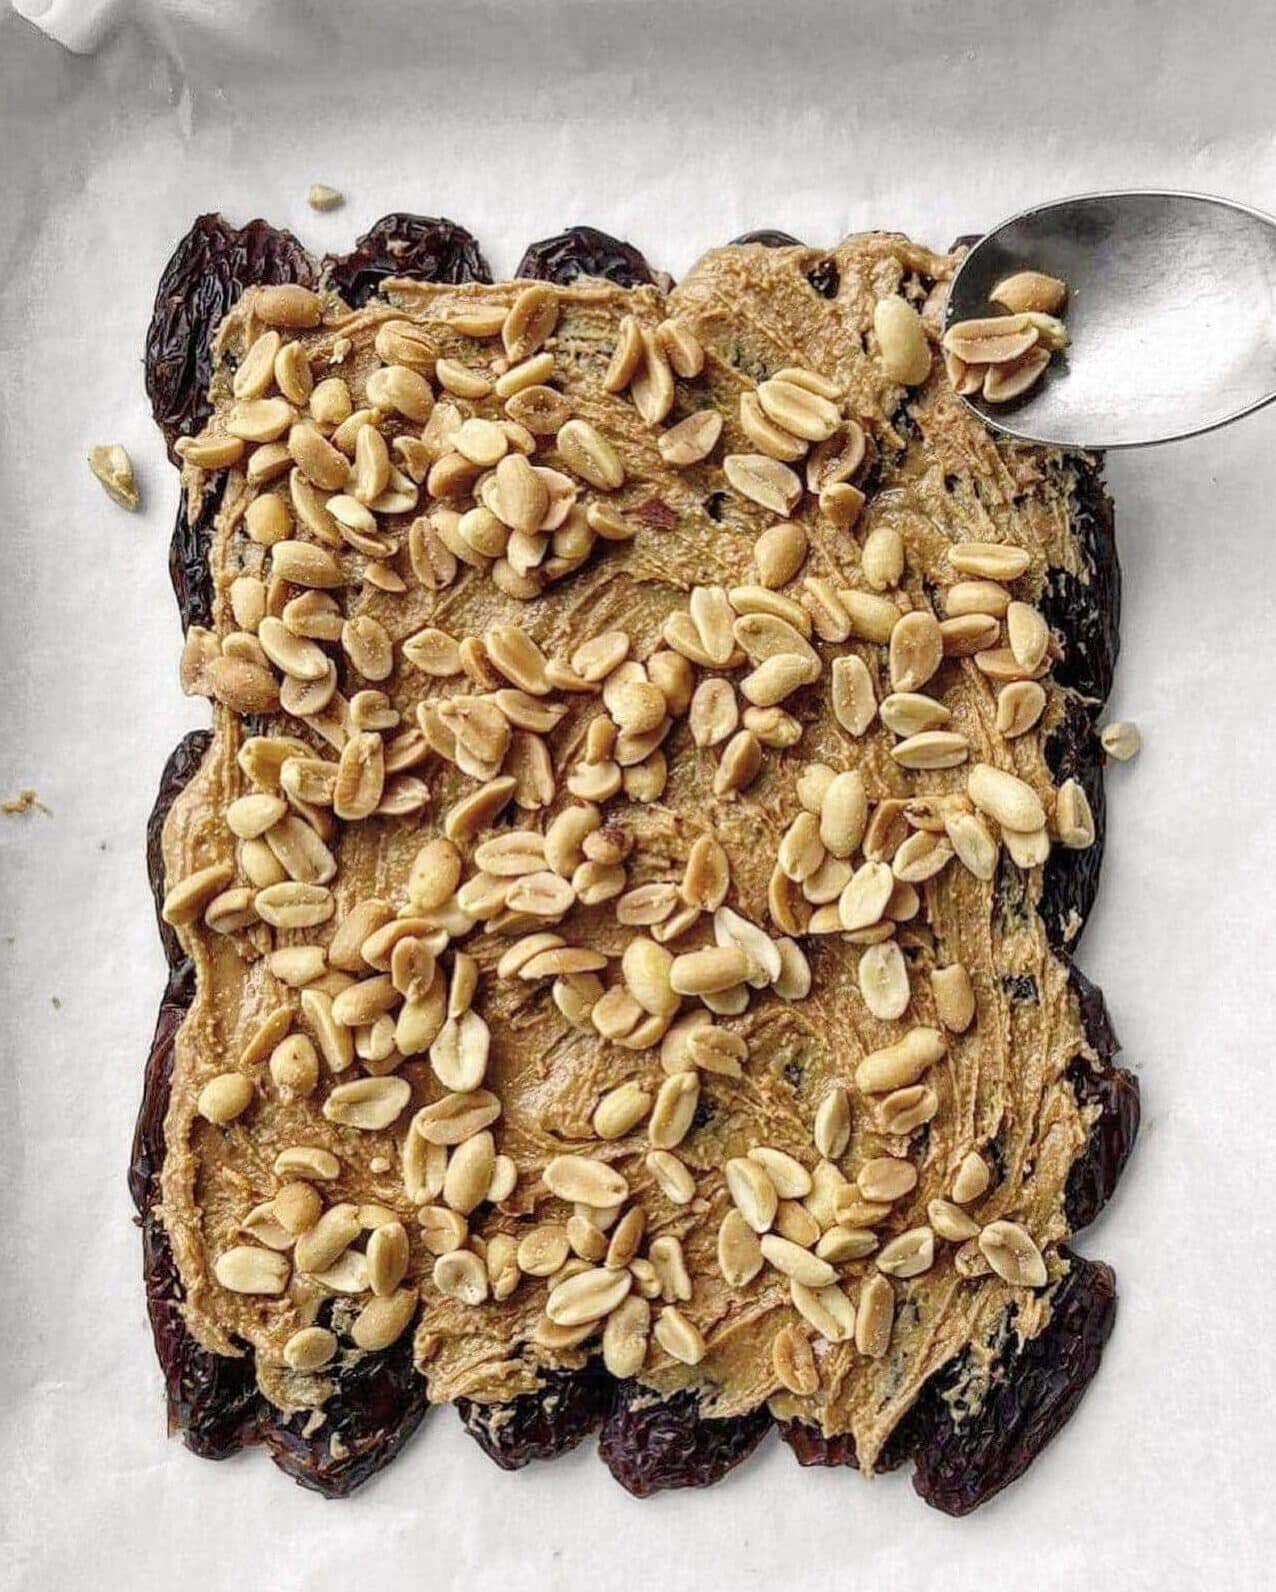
point(1115, 1090)
point(650, 1444)
point(1037, 1386)
point(542, 1425)
point(188, 568)
point(811, 1447)
point(380, 1401)
point(184, 759)
point(584, 251)
point(769, 238)
point(207, 272)
point(427, 248)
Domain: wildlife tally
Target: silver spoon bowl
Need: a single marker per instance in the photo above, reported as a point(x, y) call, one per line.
point(1171, 314)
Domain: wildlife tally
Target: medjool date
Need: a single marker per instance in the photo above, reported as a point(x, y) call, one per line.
point(1070, 880)
point(584, 251)
point(380, 1401)
point(1037, 1385)
point(542, 1425)
point(1096, 1172)
point(427, 248)
point(188, 567)
point(183, 761)
point(811, 1447)
point(650, 1444)
point(769, 238)
point(208, 270)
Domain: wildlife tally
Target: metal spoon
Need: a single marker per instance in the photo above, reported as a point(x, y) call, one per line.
point(1171, 313)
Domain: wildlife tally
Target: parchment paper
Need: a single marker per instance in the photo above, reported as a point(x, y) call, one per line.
point(677, 125)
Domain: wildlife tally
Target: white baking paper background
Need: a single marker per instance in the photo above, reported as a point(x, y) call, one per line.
point(677, 125)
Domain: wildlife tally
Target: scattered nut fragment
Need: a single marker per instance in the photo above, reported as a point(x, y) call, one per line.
point(321, 197)
point(1121, 739)
point(1030, 291)
point(114, 469)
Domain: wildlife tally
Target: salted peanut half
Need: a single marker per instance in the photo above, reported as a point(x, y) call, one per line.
point(752, 1192)
point(954, 997)
point(997, 561)
point(853, 697)
point(1012, 1253)
point(585, 1181)
point(902, 1063)
point(764, 481)
point(1121, 740)
point(112, 466)
point(1006, 798)
point(1073, 817)
point(883, 980)
point(679, 1337)
point(832, 1131)
point(972, 1179)
point(1004, 383)
point(865, 898)
point(874, 1317)
point(310, 1349)
point(225, 1097)
point(916, 650)
point(902, 343)
point(186, 900)
point(827, 1309)
point(1030, 291)
point(246, 1269)
point(1020, 705)
point(796, 1263)
point(990, 340)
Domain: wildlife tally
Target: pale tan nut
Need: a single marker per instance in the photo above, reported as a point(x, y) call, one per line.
point(287, 304)
point(587, 1296)
point(841, 1244)
point(672, 1177)
point(531, 372)
point(679, 1337)
point(224, 1098)
point(739, 1252)
point(969, 634)
point(832, 1132)
point(667, 1257)
point(976, 849)
point(621, 1110)
point(210, 452)
point(922, 856)
point(801, 850)
point(762, 955)
point(293, 375)
point(798, 410)
point(652, 386)
point(674, 1110)
point(907, 713)
point(714, 1049)
point(908, 1255)
point(323, 1244)
point(843, 810)
point(434, 875)
point(645, 967)
point(1073, 818)
point(950, 1221)
point(895, 1066)
point(779, 554)
point(297, 965)
point(990, 340)
point(707, 876)
point(186, 901)
point(853, 697)
point(874, 1317)
point(473, 813)
point(384, 1320)
point(584, 1181)
point(998, 561)
point(588, 454)
point(794, 981)
point(1012, 1253)
point(692, 440)
point(752, 1192)
point(1020, 705)
point(501, 1263)
point(972, 1179)
point(303, 564)
point(1029, 850)
point(711, 613)
point(1030, 291)
point(788, 1176)
point(883, 981)
point(764, 481)
point(766, 434)
point(682, 348)
point(794, 1222)
point(675, 678)
point(364, 1001)
point(626, 356)
point(442, 1230)
point(882, 557)
point(462, 1276)
point(916, 650)
point(458, 1056)
point(112, 466)
point(714, 714)
point(773, 727)
point(796, 1263)
point(884, 1178)
point(739, 765)
point(531, 320)
point(1028, 635)
point(469, 1173)
point(266, 520)
point(902, 343)
point(1004, 383)
point(306, 1160)
point(245, 1269)
point(371, 1104)
point(826, 1309)
point(626, 1336)
point(256, 370)
point(310, 1349)
point(387, 1253)
point(1120, 739)
point(954, 997)
point(864, 900)
point(841, 504)
point(297, 1207)
point(1005, 798)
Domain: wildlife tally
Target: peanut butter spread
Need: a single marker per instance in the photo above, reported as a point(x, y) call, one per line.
point(623, 702)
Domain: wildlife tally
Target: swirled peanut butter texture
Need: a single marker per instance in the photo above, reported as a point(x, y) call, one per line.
point(624, 703)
